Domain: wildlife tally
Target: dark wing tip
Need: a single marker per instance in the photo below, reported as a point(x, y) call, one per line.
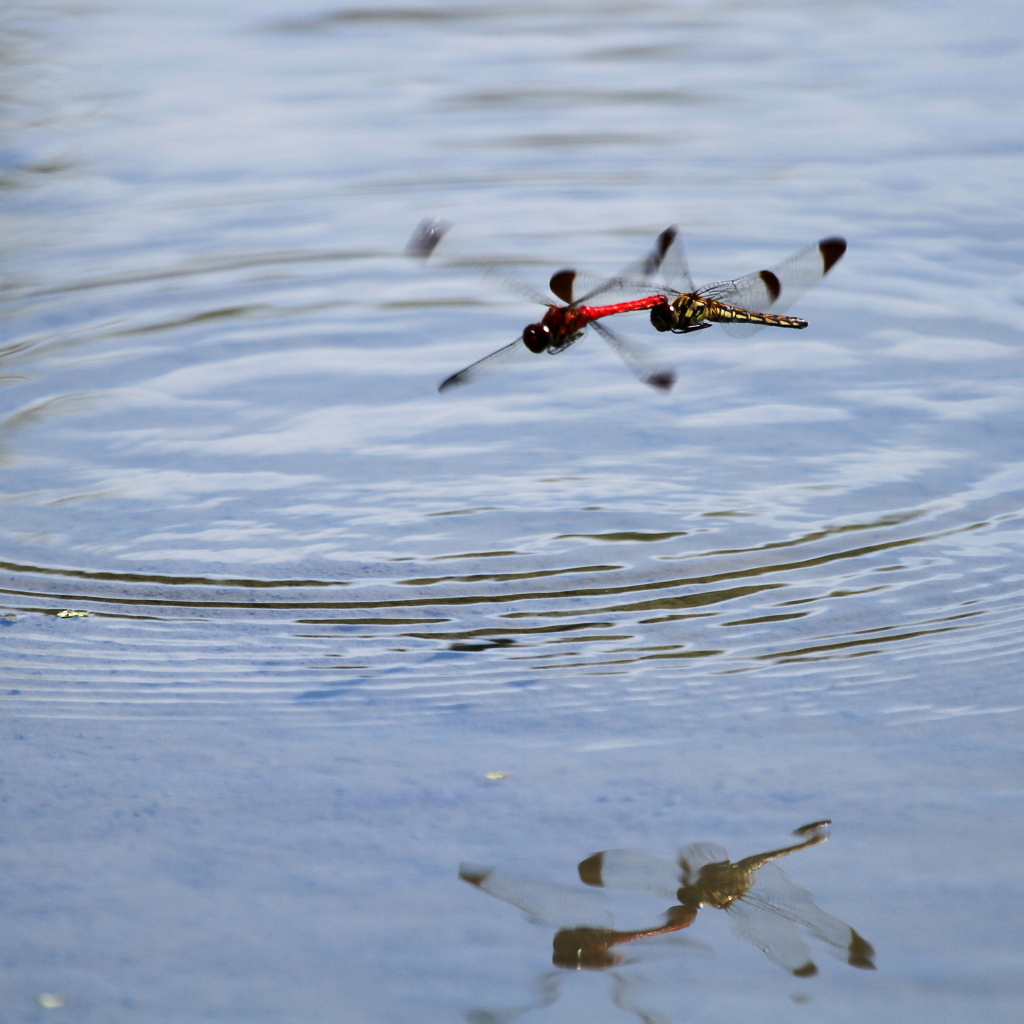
point(861, 952)
point(772, 285)
point(561, 284)
point(474, 874)
point(663, 380)
point(453, 381)
point(662, 244)
point(807, 971)
point(425, 238)
point(831, 250)
point(590, 869)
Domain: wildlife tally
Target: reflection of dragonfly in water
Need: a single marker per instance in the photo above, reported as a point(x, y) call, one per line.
point(585, 939)
point(763, 905)
point(561, 326)
point(742, 306)
point(585, 936)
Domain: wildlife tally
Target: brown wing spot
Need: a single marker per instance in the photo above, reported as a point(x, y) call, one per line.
point(474, 875)
point(831, 250)
point(561, 284)
point(807, 971)
point(425, 238)
point(591, 870)
point(665, 240)
point(861, 952)
point(771, 282)
point(663, 381)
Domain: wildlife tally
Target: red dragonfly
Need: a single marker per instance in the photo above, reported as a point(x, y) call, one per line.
point(763, 905)
point(585, 935)
point(561, 326)
point(741, 306)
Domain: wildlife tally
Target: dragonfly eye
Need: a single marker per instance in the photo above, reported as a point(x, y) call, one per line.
point(664, 317)
point(537, 337)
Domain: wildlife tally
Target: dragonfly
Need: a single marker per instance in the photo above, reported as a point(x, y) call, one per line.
point(764, 907)
point(741, 306)
point(562, 326)
point(585, 938)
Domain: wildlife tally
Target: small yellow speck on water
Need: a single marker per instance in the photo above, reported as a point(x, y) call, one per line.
point(50, 1000)
point(68, 614)
point(495, 776)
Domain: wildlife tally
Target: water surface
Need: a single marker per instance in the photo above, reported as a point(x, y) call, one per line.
point(323, 601)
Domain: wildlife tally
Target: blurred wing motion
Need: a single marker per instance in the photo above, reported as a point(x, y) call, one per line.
point(643, 368)
point(775, 290)
point(473, 372)
point(562, 326)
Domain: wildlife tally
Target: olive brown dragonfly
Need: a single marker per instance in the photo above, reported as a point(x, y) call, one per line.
point(746, 304)
point(764, 907)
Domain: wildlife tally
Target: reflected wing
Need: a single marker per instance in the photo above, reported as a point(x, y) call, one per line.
point(559, 906)
point(776, 289)
point(643, 368)
point(693, 857)
point(776, 936)
point(773, 891)
point(629, 869)
point(482, 366)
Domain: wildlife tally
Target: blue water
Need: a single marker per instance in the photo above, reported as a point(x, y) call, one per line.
point(323, 601)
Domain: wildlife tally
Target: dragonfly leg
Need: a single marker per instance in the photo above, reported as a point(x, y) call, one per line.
point(693, 327)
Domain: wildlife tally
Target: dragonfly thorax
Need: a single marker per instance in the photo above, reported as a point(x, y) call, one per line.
point(561, 326)
point(682, 315)
point(718, 886)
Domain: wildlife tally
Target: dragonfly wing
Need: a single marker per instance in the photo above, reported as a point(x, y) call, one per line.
point(635, 280)
point(693, 857)
point(675, 269)
point(629, 869)
point(777, 937)
point(772, 890)
point(548, 903)
point(643, 368)
point(775, 290)
point(482, 366)
point(425, 238)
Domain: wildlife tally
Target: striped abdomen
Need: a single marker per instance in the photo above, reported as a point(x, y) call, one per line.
point(721, 313)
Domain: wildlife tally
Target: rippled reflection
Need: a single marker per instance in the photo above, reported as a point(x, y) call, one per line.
point(765, 907)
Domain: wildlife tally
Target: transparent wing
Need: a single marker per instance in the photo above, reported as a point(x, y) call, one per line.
point(482, 366)
point(693, 857)
point(675, 269)
point(776, 936)
point(629, 869)
point(644, 369)
point(548, 903)
point(775, 290)
point(773, 891)
point(431, 241)
point(635, 281)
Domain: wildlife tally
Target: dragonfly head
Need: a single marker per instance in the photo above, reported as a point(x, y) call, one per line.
point(538, 337)
point(664, 317)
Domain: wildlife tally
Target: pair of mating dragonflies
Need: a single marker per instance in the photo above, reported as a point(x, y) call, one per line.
point(742, 306)
point(763, 905)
